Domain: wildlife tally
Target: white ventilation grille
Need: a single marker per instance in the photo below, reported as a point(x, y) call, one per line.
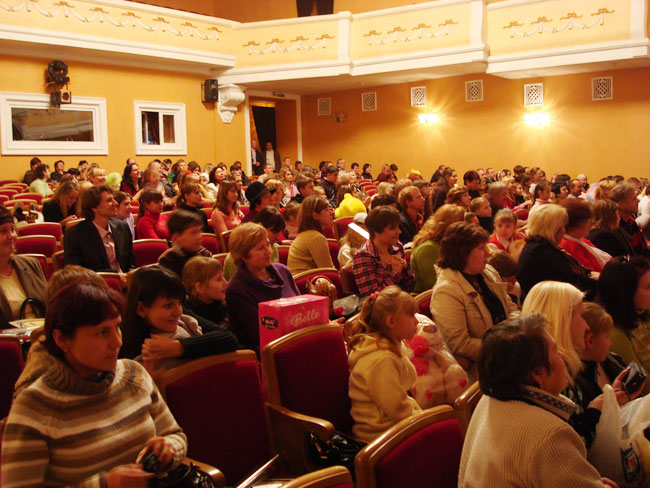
point(324, 106)
point(602, 88)
point(419, 96)
point(369, 102)
point(533, 94)
point(474, 91)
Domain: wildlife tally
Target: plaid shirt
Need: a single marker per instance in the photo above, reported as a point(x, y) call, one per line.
point(370, 275)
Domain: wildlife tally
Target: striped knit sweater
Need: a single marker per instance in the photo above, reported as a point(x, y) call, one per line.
point(519, 444)
point(66, 431)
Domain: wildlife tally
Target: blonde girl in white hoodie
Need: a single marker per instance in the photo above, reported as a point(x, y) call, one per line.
point(380, 372)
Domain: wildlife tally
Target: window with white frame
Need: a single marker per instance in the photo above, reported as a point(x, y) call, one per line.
point(31, 126)
point(160, 128)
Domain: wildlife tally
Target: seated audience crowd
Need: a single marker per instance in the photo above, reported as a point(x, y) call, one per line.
point(540, 290)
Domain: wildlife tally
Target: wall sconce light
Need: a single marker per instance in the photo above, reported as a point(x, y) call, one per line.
point(340, 116)
point(537, 119)
point(429, 118)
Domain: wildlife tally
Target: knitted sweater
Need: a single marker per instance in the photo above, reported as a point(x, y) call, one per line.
point(379, 384)
point(423, 259)
point(524, 443)
point(66, 431)
point(309, 251)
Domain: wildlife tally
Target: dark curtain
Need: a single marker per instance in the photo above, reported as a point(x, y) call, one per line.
point(323, 7)
point(264, 119)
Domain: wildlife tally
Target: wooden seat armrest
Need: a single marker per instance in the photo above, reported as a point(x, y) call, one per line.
point(289, 436)
point(217, 476)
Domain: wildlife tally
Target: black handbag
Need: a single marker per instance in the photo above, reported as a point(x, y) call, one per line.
point(37, 307)
point(184, 476)
point(338, 450)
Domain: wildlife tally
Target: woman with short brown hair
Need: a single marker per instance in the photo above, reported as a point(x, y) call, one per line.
point(468, 297)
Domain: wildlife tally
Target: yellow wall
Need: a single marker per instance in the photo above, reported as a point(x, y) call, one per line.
point(597, 138)
point(208, 139)
point(286, 128)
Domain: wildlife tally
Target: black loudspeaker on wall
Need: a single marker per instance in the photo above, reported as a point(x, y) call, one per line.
point(210, 90)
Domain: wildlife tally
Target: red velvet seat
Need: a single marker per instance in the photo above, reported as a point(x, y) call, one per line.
point(328, 232)
point(424, 303)
point(36, 244)
point(147, 251)
point(3, 198)
point(347, 279)
point(58, 260)
point(307, 372)
point(223, 240)
point(221, 257)
point(208, 212)
point(423, 450)
point(340, 227)
point(209, 241)
point(302, 279)
point(29, 196)
point(11, 365)
point(46, 267)
point(10, 192)
point(333, 477)
point(7, 182)
point(53, 229)
point(245, 209)
point(112, 280)
point(283, 253)
point(217, 400)
point(334, 247)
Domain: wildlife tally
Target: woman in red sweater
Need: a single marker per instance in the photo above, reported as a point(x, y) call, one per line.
point(151, 225)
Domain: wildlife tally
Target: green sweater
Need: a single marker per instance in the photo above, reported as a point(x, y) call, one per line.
point(66, 431)
point(423, 258)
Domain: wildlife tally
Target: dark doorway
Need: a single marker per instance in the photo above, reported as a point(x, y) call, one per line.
point(264, 119)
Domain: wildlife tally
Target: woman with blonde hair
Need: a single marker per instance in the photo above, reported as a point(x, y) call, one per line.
point(279, 199)
point(61, 207)
point(310, 249)
point(542, 259)
point(562, 304)
point(288, 179)
point(426, 244)
point(225, 213)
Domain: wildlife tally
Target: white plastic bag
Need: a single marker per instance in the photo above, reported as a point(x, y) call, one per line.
point(612, 453)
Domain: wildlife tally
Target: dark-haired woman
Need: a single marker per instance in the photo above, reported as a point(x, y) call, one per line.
point(447, 182)
point(155, 329)
point(381, 262)
point(367, 168)
point(131, 181)
point(624, 292)
point(519, 434)
point(468, 297)
point(151, 224)
point(87, 419)
point(225, 213)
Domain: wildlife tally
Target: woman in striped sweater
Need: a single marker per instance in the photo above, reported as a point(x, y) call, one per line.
point(89, 418)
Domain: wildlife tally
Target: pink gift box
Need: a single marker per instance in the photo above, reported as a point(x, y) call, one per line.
point(284, 315)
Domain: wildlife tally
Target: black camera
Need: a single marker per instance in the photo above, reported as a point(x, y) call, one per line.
point(150, 463)
point(634, 378)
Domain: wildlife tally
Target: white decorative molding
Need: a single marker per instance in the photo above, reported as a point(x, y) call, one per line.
point(299, 43)
point(177, 111)
point(92, 45)
point(521, 65)
point(572, 21)
point(97, 106)
point(230, 97)
point(421, 31)
point(100, 15)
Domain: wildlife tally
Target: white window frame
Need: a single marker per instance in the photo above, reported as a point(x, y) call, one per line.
point(177, 110)
point(97, 106)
